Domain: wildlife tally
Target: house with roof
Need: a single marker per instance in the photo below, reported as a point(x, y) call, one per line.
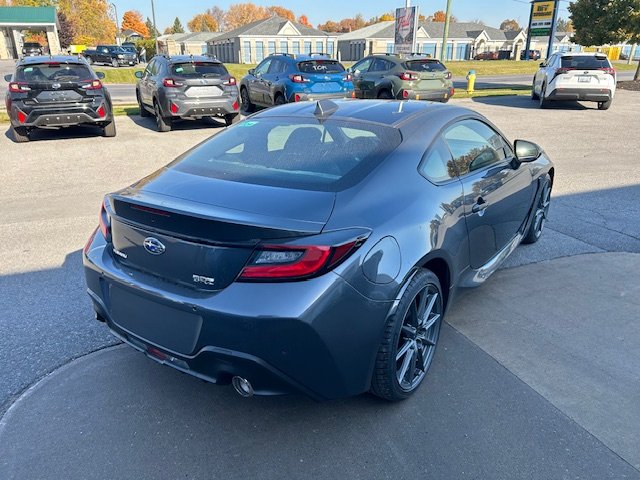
point(185, 43)
point(253, 42)
point(14, 21)
point(465, 40)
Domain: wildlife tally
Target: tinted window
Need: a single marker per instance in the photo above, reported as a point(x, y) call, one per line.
point(474, 145)
point(320, 66)
point(585, 62)
point(425, 66)
point(301, 153)
point(52, 72)
point(263, 67)
point(437, 165)
point(198, 69)
point(363, 66)
point(277, 66)
point(380, 65)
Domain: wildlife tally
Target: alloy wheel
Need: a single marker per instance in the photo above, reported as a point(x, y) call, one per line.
point(542, 210)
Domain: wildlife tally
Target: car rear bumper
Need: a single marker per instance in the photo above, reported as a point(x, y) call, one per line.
point(584, 94)
point(433, 95)
point(319, 337)
point(201, 107)
point(60, 115)
point(312, 97)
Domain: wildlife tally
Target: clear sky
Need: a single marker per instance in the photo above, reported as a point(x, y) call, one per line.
point(492, 12)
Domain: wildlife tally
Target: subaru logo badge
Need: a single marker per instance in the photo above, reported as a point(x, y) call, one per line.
point(153, 246)
point(55, 85)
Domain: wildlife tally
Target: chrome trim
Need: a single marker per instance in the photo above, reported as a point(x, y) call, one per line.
point(476, 277)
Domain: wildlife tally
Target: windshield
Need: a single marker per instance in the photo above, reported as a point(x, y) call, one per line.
point(53, 72)
point(198, 69)
point(585, 62)
point(302, 153)
point(320, 66)
point(425, 66)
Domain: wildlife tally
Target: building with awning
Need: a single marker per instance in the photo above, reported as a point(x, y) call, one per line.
point(15, 21)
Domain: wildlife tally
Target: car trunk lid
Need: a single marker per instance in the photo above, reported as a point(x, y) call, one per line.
point(323, 76)
point(201, 79)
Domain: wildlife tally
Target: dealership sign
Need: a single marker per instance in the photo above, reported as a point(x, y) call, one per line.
point(542, 15)
point(405, 30)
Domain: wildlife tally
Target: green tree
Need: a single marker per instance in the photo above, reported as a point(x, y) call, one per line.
point(177, 26)
point(153, 31)
point(601, 22)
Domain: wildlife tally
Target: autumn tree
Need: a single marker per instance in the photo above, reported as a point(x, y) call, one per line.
point(601, 22)
point(203, 22)
point(66, 30)
point(90, 19)
point(240, 14)
point(329, 26)
point(304, 21)
point(282, 12)
point(132, 20)
point(385, 17)
point(564, 25)
point(440, 17)
point(509, 25)
point(220, 15)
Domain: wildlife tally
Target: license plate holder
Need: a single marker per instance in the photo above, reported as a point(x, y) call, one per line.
point(584, 79)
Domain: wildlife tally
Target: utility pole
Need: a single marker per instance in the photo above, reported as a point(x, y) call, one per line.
point(528, 44)
point(155, 27)
point(445, 35)
point(115, 14)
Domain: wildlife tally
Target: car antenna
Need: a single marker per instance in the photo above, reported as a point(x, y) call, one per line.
point(324, 108)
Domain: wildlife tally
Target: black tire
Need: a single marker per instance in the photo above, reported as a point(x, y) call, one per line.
point(542, 101)
point(246, 100)
point(541, 211)
point(231, 119)
point(605, 105)
point(114, 63)
point(410, 337)
point(279, 99)
point(163, 123)
point(143, 111)
point(534, 95)
point(385, 94)
point(109, 130)
point(20, 134)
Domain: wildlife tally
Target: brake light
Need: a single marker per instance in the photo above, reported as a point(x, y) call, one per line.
point(105, 221)
point(235, 105)
point(277, 262)
point(170, 82)
point(560, 71)
point(94, 85)
point(408, 76)
point(173, 107)
point(297, 97)
point(90, 240)
point(609, 70)
point(230, 82)
point(18, 87)
point(101, 111)
point(298, 79)
point(22, 117)
point(405, 93)
point(347, 78)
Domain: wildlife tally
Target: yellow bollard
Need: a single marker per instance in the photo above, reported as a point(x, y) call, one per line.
point(471, 81)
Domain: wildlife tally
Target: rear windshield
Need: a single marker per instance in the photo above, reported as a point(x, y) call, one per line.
point(587, 62)
point(320, 66)
point(198, 69)
point(309, 154)
point(31, 45)
point(425, 66)
point(52, 72)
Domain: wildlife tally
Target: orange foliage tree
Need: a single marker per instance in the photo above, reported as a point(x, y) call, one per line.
point(203, 22)
point(304, 21)
point(132, 20)
point(90, 19)
point(282, 12)
point(240, 14)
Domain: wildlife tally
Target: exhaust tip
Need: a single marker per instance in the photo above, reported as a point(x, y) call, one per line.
point(242, 386)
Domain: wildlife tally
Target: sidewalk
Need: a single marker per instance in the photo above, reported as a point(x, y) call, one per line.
point(538, 378)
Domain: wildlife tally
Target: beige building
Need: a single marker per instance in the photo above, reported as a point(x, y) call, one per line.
point(14, 21)
point(253, 42)
point(185, 43)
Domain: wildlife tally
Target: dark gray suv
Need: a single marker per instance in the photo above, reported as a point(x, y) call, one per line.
point(187, 87)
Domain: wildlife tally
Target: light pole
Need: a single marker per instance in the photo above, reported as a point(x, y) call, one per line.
point(115, 14)
point(155, 28)
point(445, 35)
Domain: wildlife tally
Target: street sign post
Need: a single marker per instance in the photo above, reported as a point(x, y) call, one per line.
point(406, 27)
point(542, 23)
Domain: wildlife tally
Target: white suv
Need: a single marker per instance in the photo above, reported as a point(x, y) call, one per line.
point(575, 76)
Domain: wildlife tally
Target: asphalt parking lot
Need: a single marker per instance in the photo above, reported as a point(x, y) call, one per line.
point(537, 375)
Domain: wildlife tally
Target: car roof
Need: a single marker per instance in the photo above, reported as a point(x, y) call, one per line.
point(393, 113)
point(583, 54)
point(190, 58)
point(53, 59)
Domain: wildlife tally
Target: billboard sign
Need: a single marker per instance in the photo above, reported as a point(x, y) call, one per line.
point(405, 30)
point(542, 18)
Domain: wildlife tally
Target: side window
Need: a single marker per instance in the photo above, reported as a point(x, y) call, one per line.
point(380, 65)
point(276, 66)
point(155, 70)
point(363, 65)
point(474, 146)
point(263, 67)
point(437, 165)
point(149, 69)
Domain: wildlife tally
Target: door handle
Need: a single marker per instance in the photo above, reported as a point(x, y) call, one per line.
point(480, 206)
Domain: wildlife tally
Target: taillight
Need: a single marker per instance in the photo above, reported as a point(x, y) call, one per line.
point(105, 222)
point(609, 70)
point(90, 241)
point(101, 111)
point(170, 82)
point(277, 262)
point(560, 71)
point(17, 87)
point(22, 117)
point(94, 85)
point(236, 105)
point(347, 78)
point(173, 107)
point(408, 76)
point(230, 82)
point(405, 93)
point(296, 98)
point(298, 78)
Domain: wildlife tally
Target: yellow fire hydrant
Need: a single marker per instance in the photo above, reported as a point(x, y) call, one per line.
point(471, 81)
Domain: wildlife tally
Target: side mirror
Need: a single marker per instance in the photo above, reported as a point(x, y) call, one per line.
point(138, 74)
point(542, 64)
point(7, 78)
point(526, 151)
point(100, 75)
point(252, 71)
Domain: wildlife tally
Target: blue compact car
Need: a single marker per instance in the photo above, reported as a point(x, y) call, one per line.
point(315, 247)
point(283, 78)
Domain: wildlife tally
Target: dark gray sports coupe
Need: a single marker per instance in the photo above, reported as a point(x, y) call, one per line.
point(315, 247)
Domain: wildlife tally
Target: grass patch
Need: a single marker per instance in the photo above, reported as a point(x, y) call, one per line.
point(119, 75)
point(493, 92)
point(4, 117)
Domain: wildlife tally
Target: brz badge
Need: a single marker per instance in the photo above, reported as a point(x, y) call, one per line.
point(153, 246)
point(205, 280)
